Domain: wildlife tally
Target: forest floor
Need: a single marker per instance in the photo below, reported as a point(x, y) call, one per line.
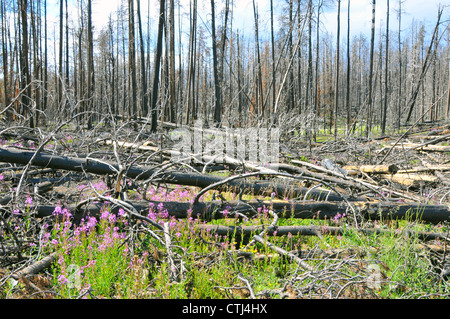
point(108, 213)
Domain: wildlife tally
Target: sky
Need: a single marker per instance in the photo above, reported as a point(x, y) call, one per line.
point(360, 16)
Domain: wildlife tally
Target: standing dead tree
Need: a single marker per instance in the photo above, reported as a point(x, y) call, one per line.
point(425, 66)
point(157, 66)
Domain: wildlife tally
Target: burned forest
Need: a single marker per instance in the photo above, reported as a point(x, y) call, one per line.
point(257, 149)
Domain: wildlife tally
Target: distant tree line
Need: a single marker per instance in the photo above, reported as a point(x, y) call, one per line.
point(222, 75)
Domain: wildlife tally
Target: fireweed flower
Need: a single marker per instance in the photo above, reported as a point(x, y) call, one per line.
point(172, 222)
point(46, 237)
point(112, 218)
point(116, 234)
point(151, 215)
point(28, 200)
point(66, 213)
point(104, 215)
point(164, 214)
point(62, 279)
point(121, 213)
point(92, 221)
point(57, 210)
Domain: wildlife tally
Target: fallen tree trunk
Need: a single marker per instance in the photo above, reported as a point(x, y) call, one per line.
point(312, 230)
point(361, 182)
point(428, 168)
point(434, 214)
point(36, 267)
point(411, 179)
point(196, 158)
point(372, 169)
point(282, 189)
point(419, 147)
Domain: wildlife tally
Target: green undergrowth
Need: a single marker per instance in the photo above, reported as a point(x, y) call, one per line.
point(113, 256)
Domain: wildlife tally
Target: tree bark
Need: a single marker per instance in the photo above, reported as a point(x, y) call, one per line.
point(336, 93)
point(157, 65)
point(347, 97)
point(210, 210)
point(172, 97)
point(217, 92)
point(132, 62)
point(369, 98)
point(25, 71)
point(386, 74)
point(90, 66)
point(425, 66)
point(144, 95)
point(6, 89)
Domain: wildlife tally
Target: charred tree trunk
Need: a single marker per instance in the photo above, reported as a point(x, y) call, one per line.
point(25, 71)
point(90, 66)
point(347, 97)
point(144, 95)
point(370, 99)
point(6, 88)
point(386, 75)
point(217, 93)
point(157, 65)
point(132, 62)
point(425, 67)
point(172, 89)
point(338, 53)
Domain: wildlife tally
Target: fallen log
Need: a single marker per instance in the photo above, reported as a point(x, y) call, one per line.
point(36, 267)
point(372, 169)
point(434, 214)
point(411, 180)
point(367, 185)
point(428, 168)
point(419, 147)
point(195, 158)
point(311, 230)
point(282, 189)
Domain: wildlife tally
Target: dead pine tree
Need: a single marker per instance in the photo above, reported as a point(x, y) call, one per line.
point(90, 66)
point(144, 95)
point(336, 94)
point(369, 98)
point(61, 45)
point(24, 65)
point(172, 89)
point(191, 62)
point(347, 94)
point(132, 62)
point(157, 66)
point(386, 74)
point(217, 100)
point(259, 85)
point(425, 67)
